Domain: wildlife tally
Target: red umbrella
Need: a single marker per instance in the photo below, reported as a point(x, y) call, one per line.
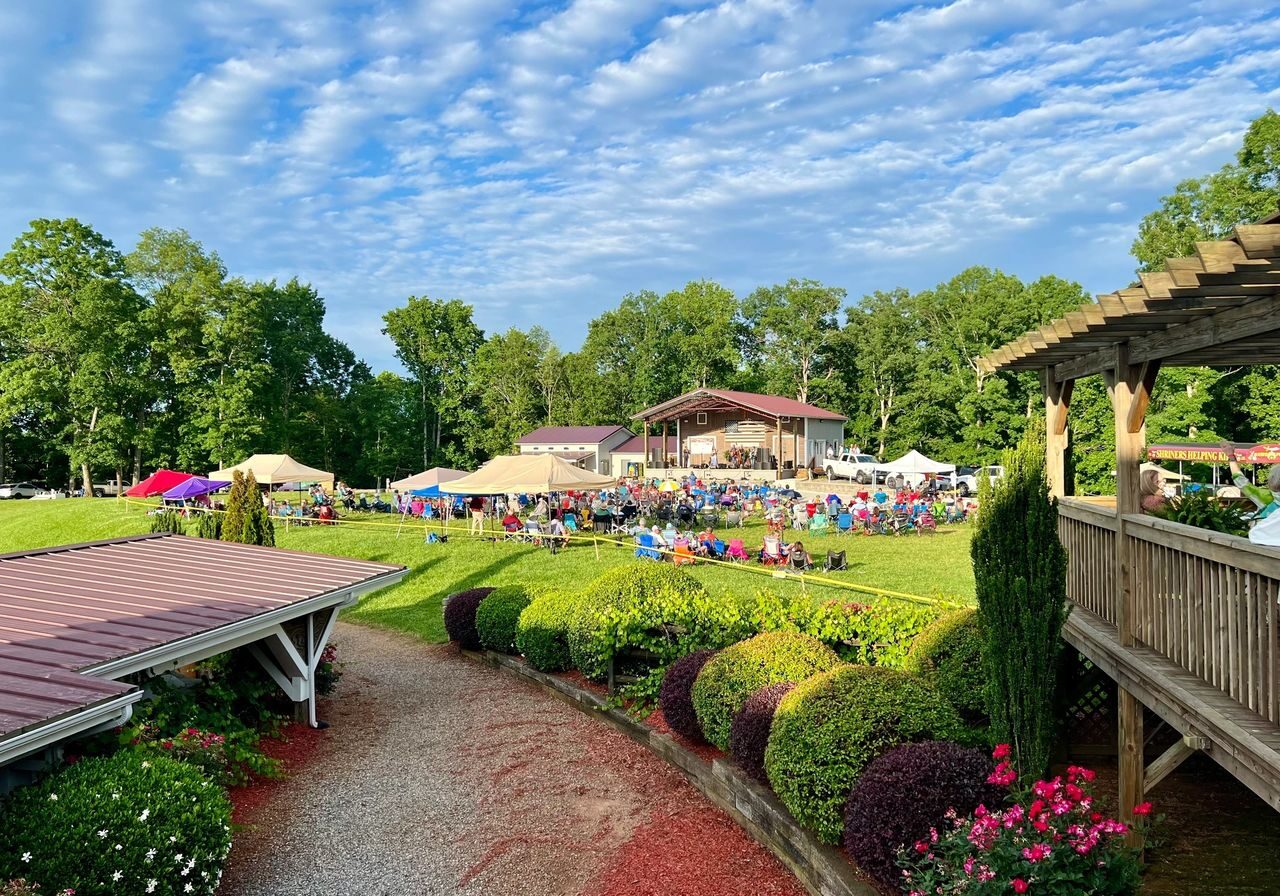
point(157, 483)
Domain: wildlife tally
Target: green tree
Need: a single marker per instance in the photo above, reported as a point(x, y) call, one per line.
point(236, 519)
point(887, 363)
point(258, 528)
point(793, 326)
point(72, 341)
point(1020, 571)
point(437, 342)
point(701, 322)
point(505, 378)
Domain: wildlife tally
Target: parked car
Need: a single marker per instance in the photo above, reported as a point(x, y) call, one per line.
point(857, 467)
point(967, 478)
point(20, 490)
point(109, 489)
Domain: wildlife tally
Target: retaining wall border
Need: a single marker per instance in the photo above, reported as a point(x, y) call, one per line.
point(821, 869)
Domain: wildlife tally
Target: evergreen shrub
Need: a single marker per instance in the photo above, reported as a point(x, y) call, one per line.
point(125, 823)
point(235, 518)
point(651, 607)
point(831, 726)
point(460, 616)
point(542, 631)
point(676, 696)
point(949, 653)
point(498, 617)
point(168, 521)
point(907, 791)
point(1020, 569)
point(209, 525)
point(725, 683)
point(749, 734)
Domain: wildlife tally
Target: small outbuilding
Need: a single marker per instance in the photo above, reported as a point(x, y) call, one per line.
point(589, 447)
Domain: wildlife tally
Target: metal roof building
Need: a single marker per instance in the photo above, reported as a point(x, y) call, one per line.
point(75, 619)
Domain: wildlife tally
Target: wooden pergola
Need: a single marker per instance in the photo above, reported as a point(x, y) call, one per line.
point(1183, 619)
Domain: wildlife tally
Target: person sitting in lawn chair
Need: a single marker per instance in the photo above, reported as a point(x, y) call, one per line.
point(771, 554)
point(798, 558)
point(556, 533)
point(511, 524)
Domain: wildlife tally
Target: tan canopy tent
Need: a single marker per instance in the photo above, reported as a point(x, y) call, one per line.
point(276, 469)
point(428, 478)
point(532, 473)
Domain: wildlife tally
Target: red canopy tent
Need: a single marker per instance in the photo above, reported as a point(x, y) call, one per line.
point(157, 483)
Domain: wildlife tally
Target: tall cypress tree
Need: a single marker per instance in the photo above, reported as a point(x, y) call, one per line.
point(236, 518)
point(258, 528)
point(1020, 567)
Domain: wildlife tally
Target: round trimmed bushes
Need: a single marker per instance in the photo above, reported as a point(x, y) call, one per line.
point(657, 608)
point(460, 616)
point(726, 682)
point(676, 696)
point(542, 631)
point(498, 617)
point(831, 726)
point(115, 824)
point(949, 653)
point(904, 793)
point(749, 734)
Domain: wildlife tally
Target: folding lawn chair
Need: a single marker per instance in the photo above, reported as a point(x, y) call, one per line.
point(844, 522)
point(647, 548)
point(835, 561)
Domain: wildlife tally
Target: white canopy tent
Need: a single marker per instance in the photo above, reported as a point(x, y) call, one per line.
point(276, 469)
point(427, 478)
point(913, 462)
point(527, 473)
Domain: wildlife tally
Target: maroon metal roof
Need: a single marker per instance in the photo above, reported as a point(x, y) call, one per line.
point(772, 405)
point(568, 435)
point(636, 445)
point(68, 608)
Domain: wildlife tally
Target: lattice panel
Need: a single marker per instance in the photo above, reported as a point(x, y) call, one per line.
point(1088, 700)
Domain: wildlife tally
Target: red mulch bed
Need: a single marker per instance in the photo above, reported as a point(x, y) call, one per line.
point(658, 722)
point(577, 678)
point(694, 852)
point(295, 749)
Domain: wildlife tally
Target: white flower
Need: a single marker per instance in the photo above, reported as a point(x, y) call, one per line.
point(189, 888)
point(117, 876)
point(115, 795)
point(103, 833)
point(119, 847)
point(146, 764)
point(151, 885)
point(53, 797)
point(178, 857)
point(173, 838)
point(151, 854)
point(26, 857)
point(146, 813)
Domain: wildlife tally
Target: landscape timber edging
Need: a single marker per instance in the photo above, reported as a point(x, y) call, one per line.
point(821, 869)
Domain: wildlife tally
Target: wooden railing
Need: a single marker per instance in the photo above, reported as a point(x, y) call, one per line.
point(1088, 532)
point(1206, 601)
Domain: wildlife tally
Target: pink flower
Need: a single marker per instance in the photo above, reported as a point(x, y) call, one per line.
point(1019, 885)
point(1002, 751)
point(1142, 809)
point(1036, 853)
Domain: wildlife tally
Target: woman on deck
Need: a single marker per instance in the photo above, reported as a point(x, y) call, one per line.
point(1267, 498)
point(1152, 488)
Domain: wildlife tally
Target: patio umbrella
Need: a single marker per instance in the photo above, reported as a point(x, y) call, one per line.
point(669, 486)
point(194, 488)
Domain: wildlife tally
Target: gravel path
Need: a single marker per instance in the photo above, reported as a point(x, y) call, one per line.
point(442, 776)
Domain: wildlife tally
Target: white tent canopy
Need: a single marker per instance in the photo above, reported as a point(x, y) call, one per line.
point(428, 478)
point(531, 473)
point(915, 462)
point(275, 469)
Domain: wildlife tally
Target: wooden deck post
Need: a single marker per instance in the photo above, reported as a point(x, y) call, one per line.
point(1057, 401)
point(1129, 402)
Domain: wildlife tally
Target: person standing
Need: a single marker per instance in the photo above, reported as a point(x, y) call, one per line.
point(477, 515)
point(1265, 498)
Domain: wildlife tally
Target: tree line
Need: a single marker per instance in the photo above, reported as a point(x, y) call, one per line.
point(114, 364)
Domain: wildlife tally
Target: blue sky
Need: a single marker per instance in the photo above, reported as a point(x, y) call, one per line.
point(540, 161)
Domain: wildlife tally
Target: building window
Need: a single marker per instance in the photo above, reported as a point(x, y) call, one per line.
point(731, 427)
point(701, 418)
point(785, 419)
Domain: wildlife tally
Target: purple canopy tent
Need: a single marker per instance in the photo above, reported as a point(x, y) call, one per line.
point(194, 488)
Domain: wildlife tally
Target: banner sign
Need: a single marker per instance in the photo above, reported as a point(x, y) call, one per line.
point(1268, 453)
point(701, 446)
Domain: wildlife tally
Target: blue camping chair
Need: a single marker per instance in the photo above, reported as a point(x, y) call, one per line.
point(719, 547)
point(844, 522)
point(647, 548)
point(571, 522)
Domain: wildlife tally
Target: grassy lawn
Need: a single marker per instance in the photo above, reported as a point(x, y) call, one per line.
point(929, 566)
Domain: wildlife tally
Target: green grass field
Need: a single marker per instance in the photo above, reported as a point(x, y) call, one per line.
point(929, 566)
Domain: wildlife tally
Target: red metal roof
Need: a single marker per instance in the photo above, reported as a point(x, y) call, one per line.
point(569, 435)
point(72, 608)
point(771, 405)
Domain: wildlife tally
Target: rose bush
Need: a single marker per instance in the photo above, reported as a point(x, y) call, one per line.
point(1049, 840)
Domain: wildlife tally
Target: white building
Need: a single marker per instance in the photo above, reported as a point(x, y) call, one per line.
point(588, 446)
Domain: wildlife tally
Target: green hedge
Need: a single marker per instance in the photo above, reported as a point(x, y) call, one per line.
point(542, 631)
point(655, 608)
point(498, 617)
point(949, 653)
point(829, 727)
point(114, 824)
point(872, 634)
point(734, 674)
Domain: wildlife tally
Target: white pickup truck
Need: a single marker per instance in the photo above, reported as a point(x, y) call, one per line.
point(857, 467)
